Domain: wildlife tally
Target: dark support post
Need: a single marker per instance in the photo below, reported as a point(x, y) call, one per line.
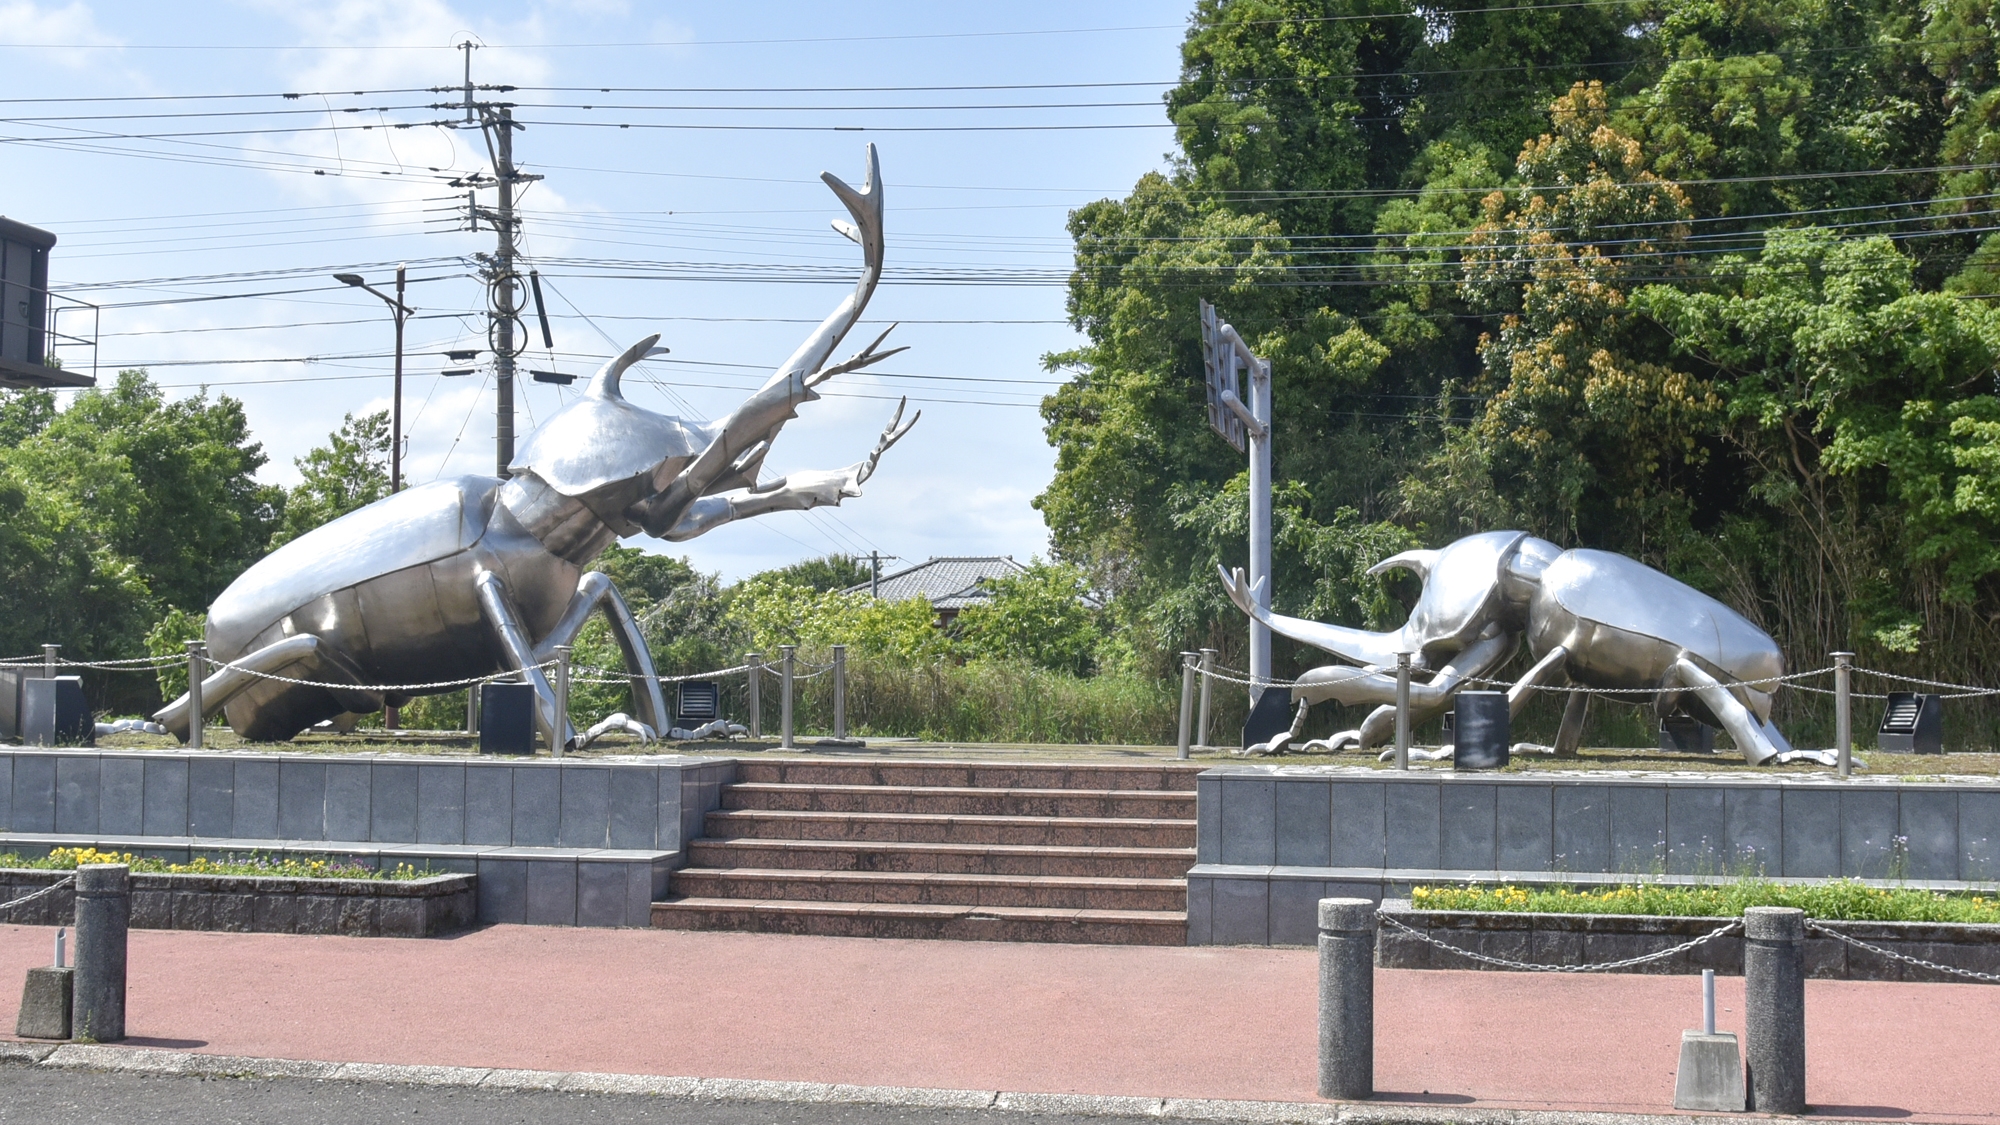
point(1346, 998)
point(103, 911)
point(1207, 692)
point(1774, 1007)
point(1188, 673)
point(754, 694)
point(787, 659)
point(1403, 710)
point(840, 692)
point(197, 672)
point(1843, 711)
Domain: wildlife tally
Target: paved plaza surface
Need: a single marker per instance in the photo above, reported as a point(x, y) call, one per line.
point(1209, 1023)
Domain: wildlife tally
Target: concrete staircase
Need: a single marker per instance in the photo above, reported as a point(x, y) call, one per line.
point(931, 849)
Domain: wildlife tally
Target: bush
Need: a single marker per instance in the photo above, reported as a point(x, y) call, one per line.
point(1844, 899)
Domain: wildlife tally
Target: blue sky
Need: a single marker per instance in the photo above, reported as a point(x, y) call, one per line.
point(975, 216)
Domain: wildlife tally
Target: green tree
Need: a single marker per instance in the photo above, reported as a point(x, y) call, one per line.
point(349, 472)
point(1042, 616)
point(829, 572)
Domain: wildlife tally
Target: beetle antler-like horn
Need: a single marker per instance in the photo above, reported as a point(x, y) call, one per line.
point(604, 384)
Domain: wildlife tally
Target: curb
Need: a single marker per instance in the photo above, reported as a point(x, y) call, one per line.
point(147, 1060)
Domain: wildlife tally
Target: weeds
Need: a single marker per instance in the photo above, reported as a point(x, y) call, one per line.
point(277, 867)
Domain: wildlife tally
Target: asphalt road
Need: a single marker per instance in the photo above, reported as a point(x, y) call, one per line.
point(34, 1095)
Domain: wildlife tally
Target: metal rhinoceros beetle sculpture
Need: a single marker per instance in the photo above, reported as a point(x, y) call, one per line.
point(1590, 618)
point(478, 576)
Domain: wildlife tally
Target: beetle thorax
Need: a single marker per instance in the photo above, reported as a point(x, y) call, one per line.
point(565, 525)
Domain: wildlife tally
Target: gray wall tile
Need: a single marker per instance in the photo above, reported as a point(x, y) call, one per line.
point(1929, 819)
point(1303, 818)
point(586, 807)
point(1410, 824)
point(166, 812)
point(347, 800)
point(1867, 833)
point(489, 804)
point(1370, 891)
point(1979, 835)
point(121, 796)
point(77, 777)
point(1249, 820)
point(601, 892)
point(503, 890)
point(1756, 825)
point(441, 804)
point(1466, 826)
point(392, 803)
point(1200, 893)
point(302, 800)
point(1240, 912)
point(1295, 911)
point(635, 801)
point(1357, 816)
point(537, 805)
point(6, 792)
point(1582, 828)
point(254, 813)
point(639, 894)
point(1638, 828)
point(668, 835)
point(552, 892)
point(1524, 830)
point(211, 797)
point(34, 793)
point(1207, 817)
point(1812, 834)
point(1697, 830)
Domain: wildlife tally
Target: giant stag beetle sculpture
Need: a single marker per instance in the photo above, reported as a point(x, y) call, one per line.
point(1590, 618)
point(477, 576)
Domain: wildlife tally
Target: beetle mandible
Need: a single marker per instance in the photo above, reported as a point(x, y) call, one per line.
point(1590, 618)
point(477, 576)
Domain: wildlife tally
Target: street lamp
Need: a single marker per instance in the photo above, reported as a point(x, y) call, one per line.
point(401, 312)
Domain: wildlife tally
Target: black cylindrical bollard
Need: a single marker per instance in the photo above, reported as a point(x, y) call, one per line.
point(1346, 998)
point(1774, 1008)
point(103, 912)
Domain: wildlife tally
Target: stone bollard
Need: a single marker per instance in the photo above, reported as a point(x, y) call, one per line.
point(46, 999)
point(1346, 998)
point(1774, 1008)
point(103, 912)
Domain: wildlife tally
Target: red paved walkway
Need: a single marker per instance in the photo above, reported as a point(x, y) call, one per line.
point(1212, 1023)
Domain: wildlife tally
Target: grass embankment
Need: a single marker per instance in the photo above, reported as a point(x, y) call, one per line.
point(1839, 899)
point(276, 867)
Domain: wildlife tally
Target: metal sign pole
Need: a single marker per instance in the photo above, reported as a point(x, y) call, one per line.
point(1248, 428)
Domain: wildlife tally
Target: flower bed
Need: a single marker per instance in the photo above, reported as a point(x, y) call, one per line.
point(209, 895)
point(1835, 899)
point(1519, 934)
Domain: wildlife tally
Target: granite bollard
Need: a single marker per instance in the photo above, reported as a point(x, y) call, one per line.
point(1774, 1008)
point(103, 916)
point(1346, 998)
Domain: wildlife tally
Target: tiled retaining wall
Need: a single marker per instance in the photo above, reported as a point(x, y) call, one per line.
point(426, 907)
point(1272, 841)
point(1584, 939)
point(553, 842)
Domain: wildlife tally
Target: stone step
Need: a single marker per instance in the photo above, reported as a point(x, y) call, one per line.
point(783, 824)
point(965, 859)
point(930, 889)
point(908, 920)
point(1152, 777)
point(958, 800)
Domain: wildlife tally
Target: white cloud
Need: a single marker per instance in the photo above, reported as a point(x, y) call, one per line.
point(67, 31)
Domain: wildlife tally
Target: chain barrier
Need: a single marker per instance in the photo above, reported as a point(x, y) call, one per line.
point(1957, 691)
point(1532, 967)
point(1363, 673)
point(24, 900)
point(1989, 978)
point(441, 685)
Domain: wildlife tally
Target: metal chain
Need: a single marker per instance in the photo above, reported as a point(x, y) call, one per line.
point(440, 685)
point(619, 676)
point(52, 888)
point(1535, 968)
point(1989, 978)
point(1360, 673)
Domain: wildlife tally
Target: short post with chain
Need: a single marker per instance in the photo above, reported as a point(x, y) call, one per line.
point(196, 673)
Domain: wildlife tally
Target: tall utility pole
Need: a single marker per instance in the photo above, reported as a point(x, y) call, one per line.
point(505, 288)
point(1223, 355)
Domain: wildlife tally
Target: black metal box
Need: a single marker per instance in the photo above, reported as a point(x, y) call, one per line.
point(1912, 723)
point(506, 718)
point(54, 713)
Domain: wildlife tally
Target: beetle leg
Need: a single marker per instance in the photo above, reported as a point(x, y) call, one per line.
point(303, 657)
point(506, 625)
point(1742, 726)
point(596, 591)
point(1570, 735)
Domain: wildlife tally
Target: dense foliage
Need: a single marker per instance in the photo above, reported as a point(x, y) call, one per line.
point(1702, 281)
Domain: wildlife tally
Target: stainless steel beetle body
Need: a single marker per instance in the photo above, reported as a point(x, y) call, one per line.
point(1593, 619)
point(477, 576)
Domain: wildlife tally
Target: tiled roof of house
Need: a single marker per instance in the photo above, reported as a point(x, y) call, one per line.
point(950, 582)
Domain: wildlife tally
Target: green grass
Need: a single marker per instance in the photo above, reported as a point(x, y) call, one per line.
point(1839, 899)
point(276, 867)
